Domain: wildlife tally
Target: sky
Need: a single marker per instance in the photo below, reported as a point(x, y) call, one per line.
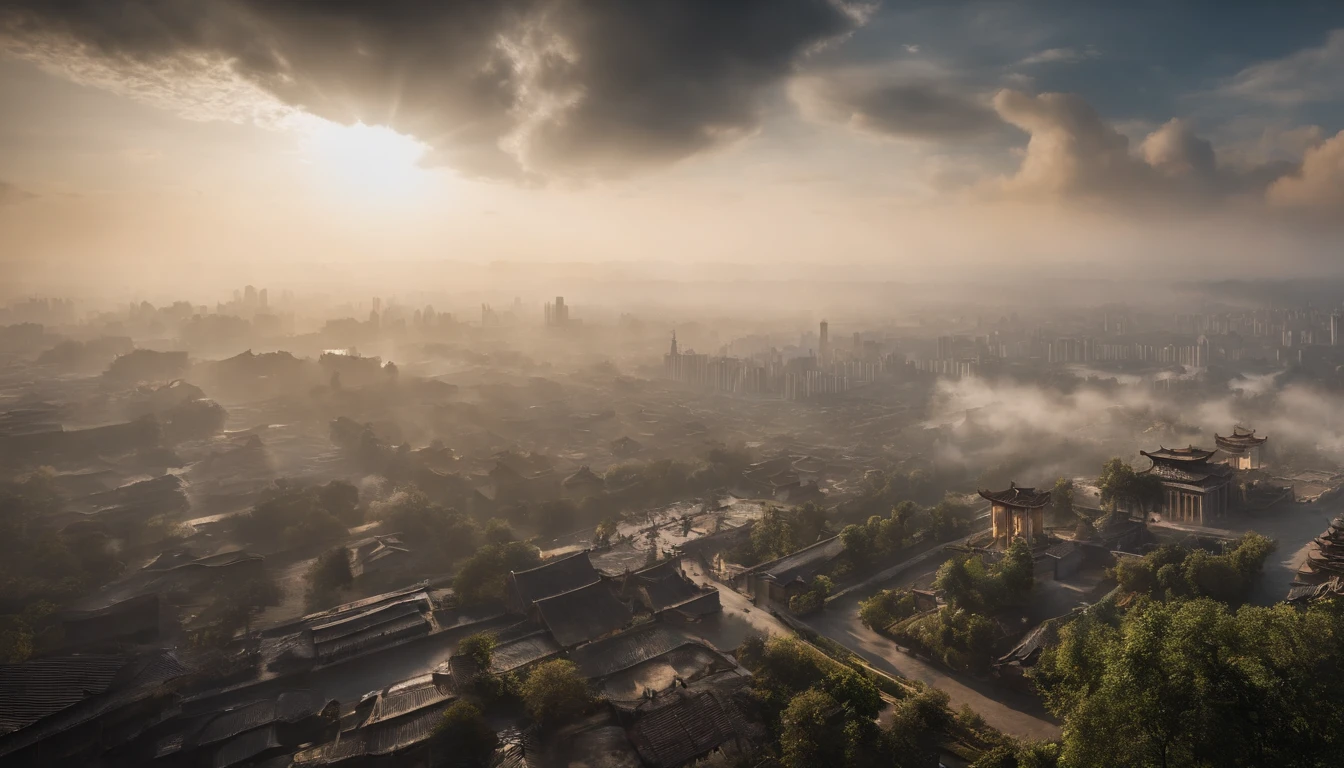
point(928, 140)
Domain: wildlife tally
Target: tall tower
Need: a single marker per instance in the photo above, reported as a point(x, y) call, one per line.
point(674, 343)
point(824, 344)
point(1335, 321)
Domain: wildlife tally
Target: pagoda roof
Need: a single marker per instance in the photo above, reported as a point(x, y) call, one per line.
point(1240, 440)
point(1190, 454)
point(1023, 498)
point(584, 476)
point(1192, 473)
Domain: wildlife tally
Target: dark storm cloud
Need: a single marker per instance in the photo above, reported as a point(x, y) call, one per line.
point(880, 104)
point(496, 87)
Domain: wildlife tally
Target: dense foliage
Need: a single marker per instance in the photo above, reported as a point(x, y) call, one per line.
point(1124, 489)
point(297, 515)
point(464, 735)
point(814, 598)
point(442, 531)
point(483, 575)
point(328, 576)
point(781, 532)
point(822, 713)
point(1191, 683)
point(1175, 571)
point(881, 536)
point(961, 635)
point(42, 568)
point(886, 608)
point(555, 692)
point(480, 648)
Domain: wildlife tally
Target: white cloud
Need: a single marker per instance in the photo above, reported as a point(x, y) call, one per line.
point(1060, 56)
point(1319, 182)
point(1071, 149)
point(1074, 154)
point(1309, 75)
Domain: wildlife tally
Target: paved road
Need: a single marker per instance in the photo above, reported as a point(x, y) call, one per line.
point(1013, 713)
point(738, 618)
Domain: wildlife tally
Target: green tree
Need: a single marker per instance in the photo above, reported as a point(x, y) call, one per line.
point(555, 692)
point(856, 693)
point(959, 580)
point(886, 608)
point(918, 726)
point(464, 736)
point(418, 520)
point(1017, 570)
point(498, 532)
point(482, 576)
point(811, 732)
point(1123, 489)
point(858, 544)
point(341, 500)
point(1188, 682)
point(1036, 754)
point(1116, 484)
point(605, 530)
point(480, 648)
point(773, 535)
point(331, 571)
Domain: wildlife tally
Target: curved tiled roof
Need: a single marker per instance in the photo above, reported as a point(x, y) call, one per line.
point(35, 689)
point(583, 614)
point(1190, 453)
point(1024, 498)
point(553, 577)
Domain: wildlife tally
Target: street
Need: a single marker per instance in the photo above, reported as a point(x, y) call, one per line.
point(1015, 714)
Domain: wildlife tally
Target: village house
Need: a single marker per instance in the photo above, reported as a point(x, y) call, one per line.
point(779, 580)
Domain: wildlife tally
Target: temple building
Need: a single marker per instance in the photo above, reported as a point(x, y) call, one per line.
point(1195, 491)
point(1017, 512)
point(1242, 448)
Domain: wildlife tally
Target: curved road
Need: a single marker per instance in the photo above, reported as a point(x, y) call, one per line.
point(1013, 713)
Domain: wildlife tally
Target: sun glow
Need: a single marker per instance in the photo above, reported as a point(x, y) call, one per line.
point(367, 160)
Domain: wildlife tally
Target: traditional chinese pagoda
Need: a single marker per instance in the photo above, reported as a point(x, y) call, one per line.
point(1195, 491)
point(1242, 448)
point(1017, 512)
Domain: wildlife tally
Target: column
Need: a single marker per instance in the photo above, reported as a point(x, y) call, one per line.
point(1199, 508)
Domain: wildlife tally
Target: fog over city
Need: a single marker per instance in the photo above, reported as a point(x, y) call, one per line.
point(671, 383)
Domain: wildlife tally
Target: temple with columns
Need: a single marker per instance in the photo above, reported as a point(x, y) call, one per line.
point(1194, 490)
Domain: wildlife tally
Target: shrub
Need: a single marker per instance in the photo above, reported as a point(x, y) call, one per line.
point(555, 692)
point(886, 608)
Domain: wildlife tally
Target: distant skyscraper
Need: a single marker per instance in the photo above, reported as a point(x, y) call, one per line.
point(824, 344)
point(1335, 320)
point(557, 313)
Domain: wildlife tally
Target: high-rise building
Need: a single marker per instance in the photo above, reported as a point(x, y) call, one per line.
point(824, 343)
point(1335, 321)
point(557, 313)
